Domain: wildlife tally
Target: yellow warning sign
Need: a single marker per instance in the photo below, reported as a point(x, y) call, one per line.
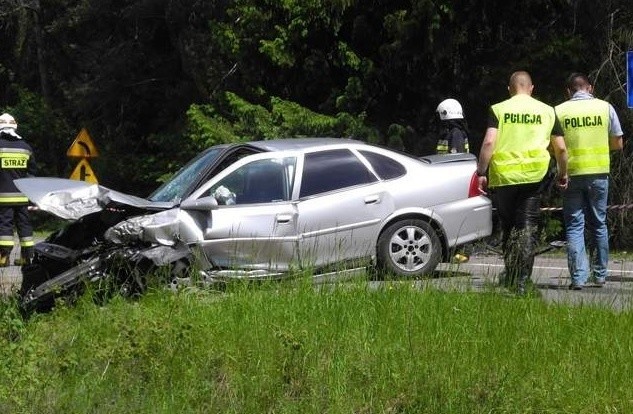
point(83, 172)
point(82, 146)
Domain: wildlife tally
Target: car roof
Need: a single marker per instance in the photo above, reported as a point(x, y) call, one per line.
point(286, 144)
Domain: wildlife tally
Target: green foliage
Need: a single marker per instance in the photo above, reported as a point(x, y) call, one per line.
point(294, 348)
point(205, 128)
point(21, 354)
point(277, 49)
point(42, 127)
point(234, 119)
point(296, 120)
point(553, 229)
point(348, 57)
point(396, 134)
point(354, 98)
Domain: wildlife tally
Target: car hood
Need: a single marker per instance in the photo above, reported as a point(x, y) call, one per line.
point(72, 199)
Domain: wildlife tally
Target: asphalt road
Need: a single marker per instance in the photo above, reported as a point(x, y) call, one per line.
point(481, 273)
point(10, 276)
point(551, 278)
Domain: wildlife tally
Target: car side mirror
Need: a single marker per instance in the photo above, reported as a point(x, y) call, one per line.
point(201, 204)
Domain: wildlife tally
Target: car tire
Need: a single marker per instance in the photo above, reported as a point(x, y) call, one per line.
point(409, 248)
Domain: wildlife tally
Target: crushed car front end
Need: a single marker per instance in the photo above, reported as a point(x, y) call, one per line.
point(111, 241)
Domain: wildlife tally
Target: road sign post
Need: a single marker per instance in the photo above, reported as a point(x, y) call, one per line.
point(629, 78)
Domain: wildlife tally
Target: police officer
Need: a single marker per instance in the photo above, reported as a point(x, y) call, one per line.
point(16, 161)
point(514, 161)
point(454, 130)
point(592, 128)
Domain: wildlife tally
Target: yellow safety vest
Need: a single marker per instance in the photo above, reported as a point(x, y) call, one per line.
point(520, 155)
point(586, 126)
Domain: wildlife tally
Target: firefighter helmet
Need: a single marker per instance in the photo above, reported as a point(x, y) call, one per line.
point(7, 121)
point(450, 109)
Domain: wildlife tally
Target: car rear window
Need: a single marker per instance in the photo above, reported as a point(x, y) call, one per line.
point(332, 170)
point(386, 168)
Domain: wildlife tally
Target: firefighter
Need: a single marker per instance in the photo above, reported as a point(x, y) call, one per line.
point(16, 161)
point(514, 161)
point(454, 130)
point(453, 139)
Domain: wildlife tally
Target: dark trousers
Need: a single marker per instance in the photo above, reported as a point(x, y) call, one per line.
point(18, 217)
point(518, 207)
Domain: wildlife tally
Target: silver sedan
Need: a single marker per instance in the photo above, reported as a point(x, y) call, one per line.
point(313, 202)
point(263, 208)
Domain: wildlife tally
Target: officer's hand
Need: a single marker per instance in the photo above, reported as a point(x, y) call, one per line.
point(562, 181)
point(482, 184)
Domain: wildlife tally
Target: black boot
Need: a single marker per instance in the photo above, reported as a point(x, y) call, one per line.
point(26, 257)
point(4, 257)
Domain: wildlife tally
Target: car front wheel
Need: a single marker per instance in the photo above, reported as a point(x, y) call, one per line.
point(409, 248)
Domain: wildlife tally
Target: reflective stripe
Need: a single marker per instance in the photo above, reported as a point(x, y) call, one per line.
point(442, 147)
point(521, 170)
point(27, 243)
point(14, 199)
point(9, 151)
point(522, 156)
point(587, 163)
point(589, 151)
point(7, 243)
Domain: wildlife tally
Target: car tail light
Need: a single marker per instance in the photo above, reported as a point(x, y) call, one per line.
point(473, 188)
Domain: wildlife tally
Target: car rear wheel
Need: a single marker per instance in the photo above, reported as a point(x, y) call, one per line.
point(409, 248)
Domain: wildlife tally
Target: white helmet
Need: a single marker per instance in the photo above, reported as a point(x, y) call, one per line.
point(450, 109)
point(7, 121)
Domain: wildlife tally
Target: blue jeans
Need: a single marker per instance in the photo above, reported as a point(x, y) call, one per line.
point(585, 206)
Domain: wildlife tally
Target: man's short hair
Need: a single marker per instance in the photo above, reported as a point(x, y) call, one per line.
point(578, 81)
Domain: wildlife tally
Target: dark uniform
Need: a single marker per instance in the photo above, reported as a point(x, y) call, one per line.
point(16, 161)
point(453, 137)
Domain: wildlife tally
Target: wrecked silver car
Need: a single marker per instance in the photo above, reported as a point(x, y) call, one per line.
point(258, 210)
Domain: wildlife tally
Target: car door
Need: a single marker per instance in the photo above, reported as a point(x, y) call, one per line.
point(254, 225)
point(341, 208)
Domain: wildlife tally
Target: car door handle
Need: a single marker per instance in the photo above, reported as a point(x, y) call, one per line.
point(284, 218)
point(375, 199)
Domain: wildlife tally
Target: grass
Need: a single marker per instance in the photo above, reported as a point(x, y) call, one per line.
point(291, 348)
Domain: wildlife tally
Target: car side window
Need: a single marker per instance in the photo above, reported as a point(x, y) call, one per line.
point(386, 168)
point(331, 170)
point(261, 181)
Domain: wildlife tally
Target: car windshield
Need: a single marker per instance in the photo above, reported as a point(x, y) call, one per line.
point(174, 189)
